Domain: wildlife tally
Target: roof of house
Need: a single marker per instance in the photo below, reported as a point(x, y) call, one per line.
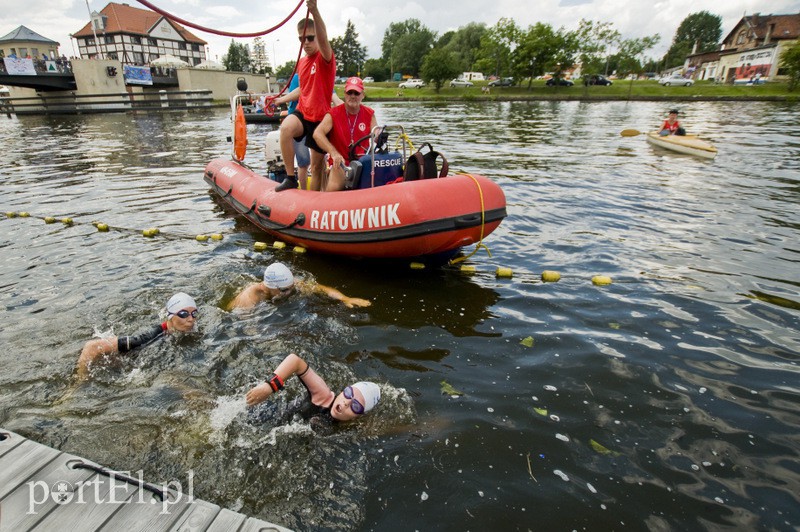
point(122, 18)
point(786, 26)
point(24, 34)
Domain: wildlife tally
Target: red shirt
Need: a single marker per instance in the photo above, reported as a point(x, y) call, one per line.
point(348, 129)
point(316, 85)
point(672, 128)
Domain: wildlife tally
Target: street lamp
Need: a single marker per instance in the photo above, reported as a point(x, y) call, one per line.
point(274, 58)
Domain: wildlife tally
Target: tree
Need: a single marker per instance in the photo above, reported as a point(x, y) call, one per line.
point(285, 70)
point(702, 28)
point(790, 60)
point(405, 44)
point(497, 43)
point(594, 40)
point(350, 55)
point(464, 43)
point(438, 66)
point(537, 47)
point(627, 59)
point(377, 69)
point(237, 59)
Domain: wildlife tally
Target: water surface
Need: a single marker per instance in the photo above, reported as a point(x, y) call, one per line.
point(666, 400)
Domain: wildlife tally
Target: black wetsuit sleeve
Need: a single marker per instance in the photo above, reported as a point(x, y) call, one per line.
point(126, 343)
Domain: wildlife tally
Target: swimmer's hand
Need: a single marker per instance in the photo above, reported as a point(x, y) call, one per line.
point(351, 302)
point(258, 394)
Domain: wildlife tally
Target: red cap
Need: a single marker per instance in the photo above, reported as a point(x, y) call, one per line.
point(354, 83)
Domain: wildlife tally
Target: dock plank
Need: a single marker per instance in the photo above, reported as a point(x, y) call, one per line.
point(32, 501)
point(92, 500)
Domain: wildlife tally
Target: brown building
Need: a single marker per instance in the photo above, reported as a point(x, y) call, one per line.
point(136, 36)
point(753, 48)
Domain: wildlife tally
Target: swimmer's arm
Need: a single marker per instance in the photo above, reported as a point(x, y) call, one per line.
point(290, 365)
point(92, 350)
point(333, 293)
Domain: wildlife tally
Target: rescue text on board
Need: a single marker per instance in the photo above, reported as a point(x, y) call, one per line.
point(364, 218)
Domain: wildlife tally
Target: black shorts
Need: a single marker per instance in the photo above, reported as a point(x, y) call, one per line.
point(308, 132)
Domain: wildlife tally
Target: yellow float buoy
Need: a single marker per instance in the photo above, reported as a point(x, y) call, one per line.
point(49, 220)
point(150, 233)
point(601, 280)
point(260, 246)
point(101, 227)
point(279, 245)
point(504, 272)
point(416, 266)
point(466, 268)
point(11, 215)
point(66, 221)
point(201, 238)
point(216, 236)
point(24, 214)
point(299, 249)
point(550, 276)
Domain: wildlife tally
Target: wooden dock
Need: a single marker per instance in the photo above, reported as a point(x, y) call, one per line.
point(45, 489)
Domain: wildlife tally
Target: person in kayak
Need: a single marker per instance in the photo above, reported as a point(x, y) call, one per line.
point(279, 283)
point(181, 317)
point(321, 402)
point(671, 125)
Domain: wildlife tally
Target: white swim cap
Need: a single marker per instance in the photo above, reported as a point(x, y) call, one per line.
point(277, 275)
point(179, 302)
point(371, 393)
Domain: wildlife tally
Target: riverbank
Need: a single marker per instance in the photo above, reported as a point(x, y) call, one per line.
point(621, 90)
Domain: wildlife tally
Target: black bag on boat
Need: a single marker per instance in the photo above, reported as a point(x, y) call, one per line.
point(425, 166)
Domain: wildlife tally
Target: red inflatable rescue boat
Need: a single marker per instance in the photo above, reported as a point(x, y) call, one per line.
point(403, 220)
point(413, 218)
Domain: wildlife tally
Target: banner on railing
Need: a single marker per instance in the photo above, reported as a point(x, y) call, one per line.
point(137, 75)
point(19, 66)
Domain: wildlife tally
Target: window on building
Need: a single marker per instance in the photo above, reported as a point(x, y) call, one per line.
point(138, 58)
point(109, 39)
point(12, 51)
point(113, 55)
point(23, 52)
point(196, 47)
point(136, 39)
point(182, 46)
point(90, 41)
point(740, 38)
point(35, 53)
point(184, 58)
point(152, 42)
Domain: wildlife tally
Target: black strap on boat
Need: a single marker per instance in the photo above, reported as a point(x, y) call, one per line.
point(152, 488)
point(300, 220)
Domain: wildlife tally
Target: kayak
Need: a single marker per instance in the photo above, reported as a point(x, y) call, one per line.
point(688, 144)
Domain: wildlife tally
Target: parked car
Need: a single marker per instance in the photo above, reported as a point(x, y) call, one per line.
point(559, 81)
point(676, 79)
point(502, 82)
point(339, 80)
point(461, 83)
point(597, 80)
point(412, 84)
point(369, 79)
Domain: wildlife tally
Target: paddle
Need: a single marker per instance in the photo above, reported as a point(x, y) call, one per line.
point(630, 132)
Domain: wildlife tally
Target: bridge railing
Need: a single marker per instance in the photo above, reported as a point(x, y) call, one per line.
point(47, 104)
point(62, 66)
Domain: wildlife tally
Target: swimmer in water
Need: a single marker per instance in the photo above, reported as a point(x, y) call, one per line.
point(279, 283)
point(351, 403)
point(181, 317)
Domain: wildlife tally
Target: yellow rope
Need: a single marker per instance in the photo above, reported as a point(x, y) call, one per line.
point(403, 137)
point(483, 225)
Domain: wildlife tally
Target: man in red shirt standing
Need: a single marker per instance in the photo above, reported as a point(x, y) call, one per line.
point(317, 71)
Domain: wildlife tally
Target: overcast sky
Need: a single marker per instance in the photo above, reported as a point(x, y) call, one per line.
point(56, 19)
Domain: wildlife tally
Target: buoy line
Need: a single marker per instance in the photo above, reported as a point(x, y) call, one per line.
point(501, 272)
